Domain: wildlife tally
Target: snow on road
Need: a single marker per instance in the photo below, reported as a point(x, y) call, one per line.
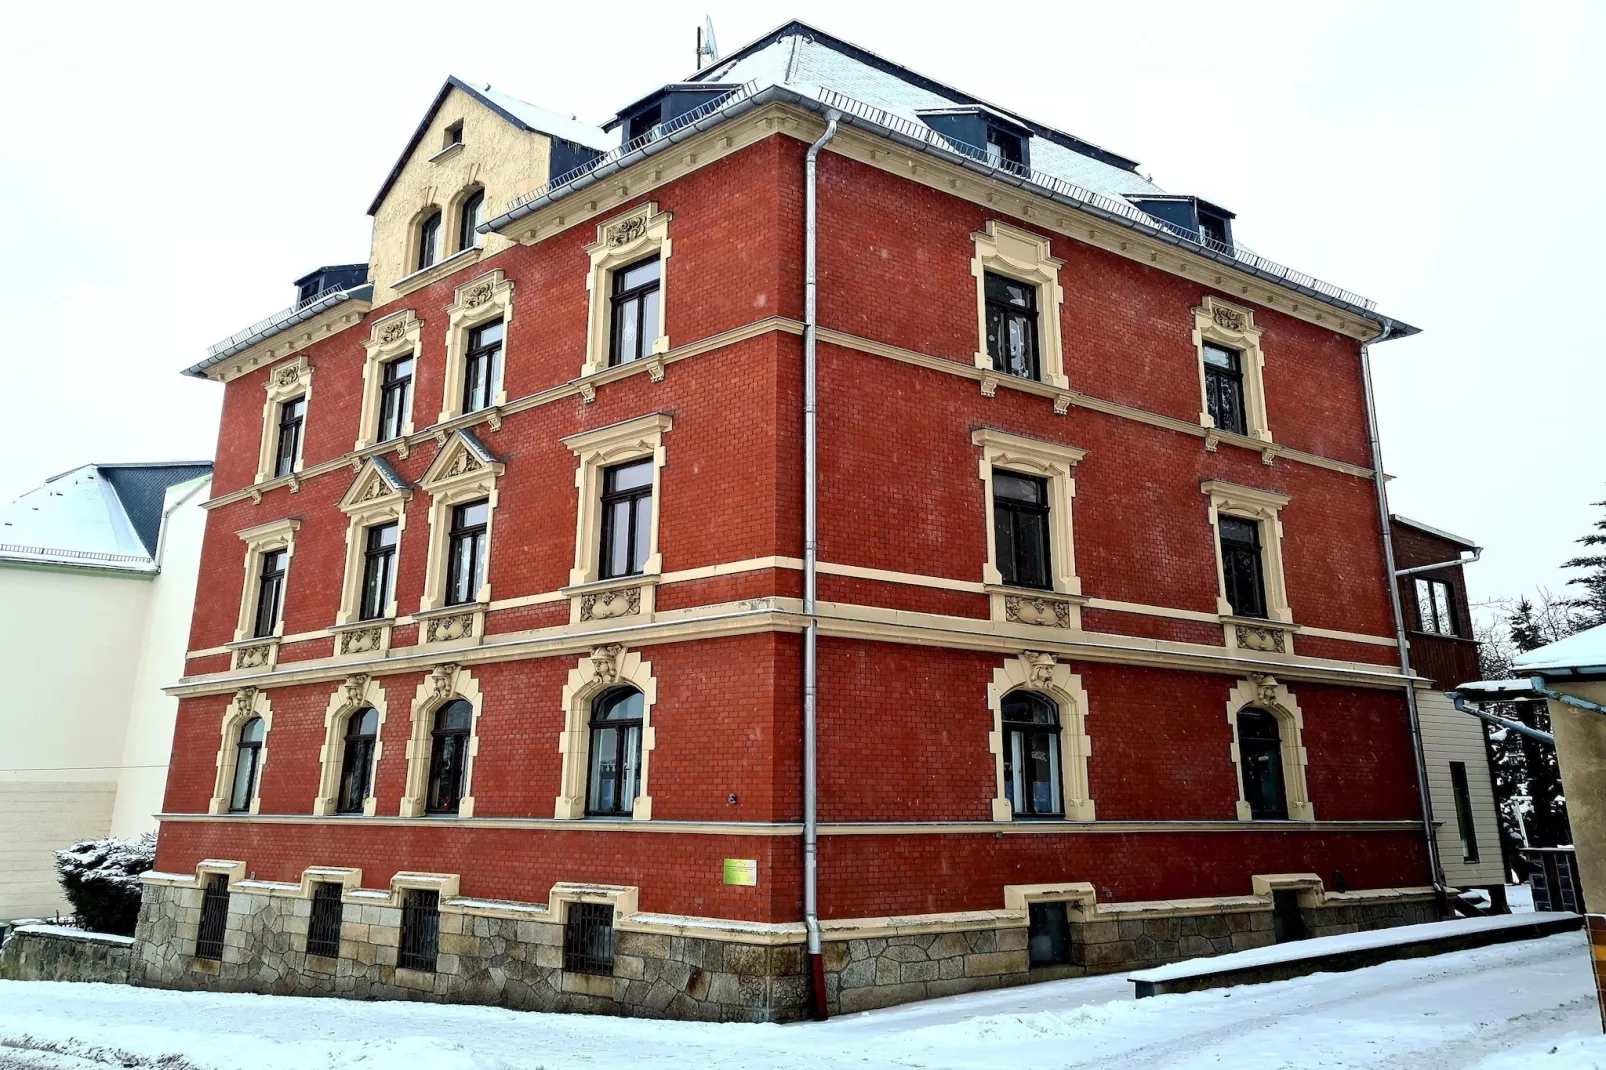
point(1520, 1005)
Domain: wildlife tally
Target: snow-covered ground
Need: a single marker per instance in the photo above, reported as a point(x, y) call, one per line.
point(1513, 1006)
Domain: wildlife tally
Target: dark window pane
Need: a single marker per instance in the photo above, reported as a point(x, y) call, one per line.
point(634, 322)
point(1224, 390)
point(1463, 812)
point(448, 757)
point(1260, 756)
point(1048, 934)
point(1242, 567)
point(473, 214)
point(614, 768)
point(1032, 776)
point(1020, 529)
point(429, 241)
point(323, 929)
point(1011, 316)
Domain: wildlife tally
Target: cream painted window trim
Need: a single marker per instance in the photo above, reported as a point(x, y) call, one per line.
point(447, 683)
point(1266, 693)
point(392, 338)
point(1042, 673)
point(606, 667)
point(248, 702)
point(286, 382)
point(376, 496)
point(1025, 257)
point(1233, 326)
point(1263, 507)
point(595, 451)
point(621, 241)
point(462, 471)
point(477, 302)
point(261, 539)
point(359, 692)
point(1056, 464)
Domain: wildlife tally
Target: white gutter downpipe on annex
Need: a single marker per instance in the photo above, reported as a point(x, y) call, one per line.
point(1400, 639)
point(811, 536)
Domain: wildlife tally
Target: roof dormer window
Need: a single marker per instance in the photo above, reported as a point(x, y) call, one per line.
point(1004, 148)
point(646, 123)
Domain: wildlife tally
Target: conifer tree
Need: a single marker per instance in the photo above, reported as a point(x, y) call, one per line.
point(1592, 603)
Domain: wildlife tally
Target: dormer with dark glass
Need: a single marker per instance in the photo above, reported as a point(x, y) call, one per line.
point(989, 135)
point(1209, 224)
point(330, 277)
point(651, 113)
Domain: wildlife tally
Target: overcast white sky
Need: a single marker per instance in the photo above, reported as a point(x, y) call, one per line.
point(171, 168)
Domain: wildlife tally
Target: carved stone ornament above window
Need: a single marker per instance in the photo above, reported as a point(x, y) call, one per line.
point(1047, 612)
point(1266, 640)
point(605, 605)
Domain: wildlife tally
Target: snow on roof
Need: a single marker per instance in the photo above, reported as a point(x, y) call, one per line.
point(79, 518)
point(1586, 650)
point(541, 119)
point(804, 58)
point(1431, 530)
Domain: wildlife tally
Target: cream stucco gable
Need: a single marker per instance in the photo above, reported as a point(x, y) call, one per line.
point(465, 147)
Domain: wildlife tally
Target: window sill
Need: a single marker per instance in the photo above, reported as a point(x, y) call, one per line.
point(439, 270)
point(461, 625)
point(447, 153)
point(1035, 607)
point(360, 637)
point(620, 596)
point(1258, 635)
point(256, 652)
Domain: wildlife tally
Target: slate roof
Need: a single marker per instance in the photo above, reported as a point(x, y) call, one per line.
point(103, 516)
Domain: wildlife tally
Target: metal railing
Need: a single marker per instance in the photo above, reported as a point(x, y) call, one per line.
point(657, 133)
point(420, 931)
point(274, 321)
point(214, 918)
point(76, 555)
point(588, 941)
point(323, 928)
point(910, 129)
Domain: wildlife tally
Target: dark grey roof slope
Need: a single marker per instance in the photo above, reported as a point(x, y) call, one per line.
point(142, 487)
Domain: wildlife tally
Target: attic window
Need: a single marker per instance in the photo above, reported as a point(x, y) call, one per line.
point(645, 123)
point(454, 134)
point(1003, 147)
point(1213, 229)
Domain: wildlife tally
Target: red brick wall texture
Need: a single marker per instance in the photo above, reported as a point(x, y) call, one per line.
point(903, 729)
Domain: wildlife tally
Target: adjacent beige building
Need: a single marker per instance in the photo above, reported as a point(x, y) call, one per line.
point(97, 576)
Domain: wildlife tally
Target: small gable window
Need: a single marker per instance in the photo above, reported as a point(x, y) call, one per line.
point(1004, 148)
point(454, 134)
point(470, 217)
point(429, 240)
point(645, 123)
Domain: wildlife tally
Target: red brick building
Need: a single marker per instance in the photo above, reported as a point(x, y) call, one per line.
point(496, 681)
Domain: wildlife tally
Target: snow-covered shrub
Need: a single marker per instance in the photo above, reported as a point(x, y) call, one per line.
point(101, 880)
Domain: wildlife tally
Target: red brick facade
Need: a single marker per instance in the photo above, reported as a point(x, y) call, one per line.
point(904, 716)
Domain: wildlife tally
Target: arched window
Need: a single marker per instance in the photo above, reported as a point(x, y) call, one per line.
point(469, 217)
point(1032, 755)
point(429, 240)
point(357, 761)
point(615, 774)
point(247, 761)
point(1260, 756)
point(448, 757)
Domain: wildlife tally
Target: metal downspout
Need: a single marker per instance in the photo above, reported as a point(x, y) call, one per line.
point(1460, 702)
point(811, 630)
point(1399, 618)
point(1540, 687)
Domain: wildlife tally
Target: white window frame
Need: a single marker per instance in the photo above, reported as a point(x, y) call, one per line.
point(376, 496)
point(392, 338)
point(1061, 606)
point(475, 303)
point(1025, 257)
point(462, 471)
point(605, 668)
point(1043, 674)
point(359, 691)
point(1271, 635)
point(261, 539)
point(446, 683)
point(286, 382)
point(622, 241)
point(1265, 693)
point(244, 704)
point(592, 598)
point(1221, 323)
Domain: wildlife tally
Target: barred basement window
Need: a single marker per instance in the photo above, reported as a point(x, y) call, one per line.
point(588, 939)
point(323, 930)
point(1048, 934)
point(214, 918)
point(420, 930)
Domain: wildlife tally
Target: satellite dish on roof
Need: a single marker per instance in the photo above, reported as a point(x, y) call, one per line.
point(706, 46)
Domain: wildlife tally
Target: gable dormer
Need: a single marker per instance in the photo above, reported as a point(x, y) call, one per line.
point(476, 149)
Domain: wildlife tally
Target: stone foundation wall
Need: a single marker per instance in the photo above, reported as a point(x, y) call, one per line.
point(34, 955)
point(863, 974)
point(502, 961)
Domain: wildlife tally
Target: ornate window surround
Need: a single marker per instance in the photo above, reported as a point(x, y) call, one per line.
point(246, 703)
point(1265, 693)
point(397, 335)
point(1273, 635)
point(262, 652)
point(1061, 607)
point(605, 667)
point(1042, 673)
point(444, 684)
point(1024, 256)
point(463, 470)
point(591, 598)
point(476, 302)
point(1232, 326)
point(359, 691)
point(289, 380)
point(376, 496)
point(622, 240)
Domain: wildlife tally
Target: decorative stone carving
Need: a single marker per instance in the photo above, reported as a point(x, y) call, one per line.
point(1044, 612)
point(355, 685)
point(1040, 666)
point(454, 626)
point(361, 641)
point(1265, 688)
point(493, 419)
point(1227, 318)
point(253, 657)
point(464, 462)
point(606, 605)
point(402, 449)
point(377, 489)
point(289, 375)
point(627, 231)
point(1266, 640)
point(392, 331)
point(443, 681)
point(605, 663)
point(477, 294)
point(245, 701)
